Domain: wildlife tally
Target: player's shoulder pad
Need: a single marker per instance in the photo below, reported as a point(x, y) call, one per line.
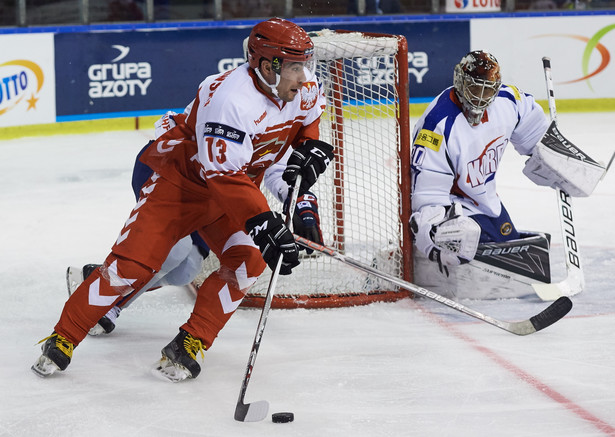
point(511, 92)
point(444, 108)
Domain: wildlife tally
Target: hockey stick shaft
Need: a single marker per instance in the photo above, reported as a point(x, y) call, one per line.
point(575, 281)
point(547, 317)
point(257, 411)
point(546, 64)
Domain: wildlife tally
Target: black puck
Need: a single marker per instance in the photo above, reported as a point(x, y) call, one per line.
point(282, 417)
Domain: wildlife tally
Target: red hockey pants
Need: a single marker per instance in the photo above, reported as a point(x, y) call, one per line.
point(165, 213)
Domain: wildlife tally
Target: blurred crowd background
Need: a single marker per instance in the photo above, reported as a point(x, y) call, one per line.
point(19, 13)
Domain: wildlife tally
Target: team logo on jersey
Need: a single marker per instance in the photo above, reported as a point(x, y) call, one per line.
point(309, 95)
point(482, 169)
point(261, 118)
point(429, 139)
point(506, 228)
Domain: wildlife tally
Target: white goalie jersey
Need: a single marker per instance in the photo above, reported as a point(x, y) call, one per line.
point(453, 161)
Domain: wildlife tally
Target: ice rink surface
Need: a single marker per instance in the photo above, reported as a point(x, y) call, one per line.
point(411, 368)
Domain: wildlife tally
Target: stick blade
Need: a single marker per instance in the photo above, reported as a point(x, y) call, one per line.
point(253, 412)
point(570, 286)
point(552, 313)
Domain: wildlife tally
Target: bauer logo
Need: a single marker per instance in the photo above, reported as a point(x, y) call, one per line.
point(119, 79)
point(20, 83)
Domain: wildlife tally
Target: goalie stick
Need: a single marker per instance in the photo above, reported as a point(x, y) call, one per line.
point(545, 318)
point(575, 281)
point(257, 411)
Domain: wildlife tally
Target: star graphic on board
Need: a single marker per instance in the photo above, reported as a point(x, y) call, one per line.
point(32, 102)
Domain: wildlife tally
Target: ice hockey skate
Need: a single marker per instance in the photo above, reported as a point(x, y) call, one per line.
point(178, 360)
point(75, 276)
point(106, 324)
point(57, 353)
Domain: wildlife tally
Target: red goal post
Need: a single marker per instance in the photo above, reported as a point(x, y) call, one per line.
point(364, 196)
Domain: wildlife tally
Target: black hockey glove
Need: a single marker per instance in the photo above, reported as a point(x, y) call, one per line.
point(306, 221)
point(310, 160)
point(274, 238)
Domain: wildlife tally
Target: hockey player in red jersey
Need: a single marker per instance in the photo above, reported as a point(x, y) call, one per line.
point(184, 262)
point(208, 169)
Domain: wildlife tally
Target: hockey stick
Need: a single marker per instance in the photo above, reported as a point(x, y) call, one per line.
point(257, 411)
point(575, 281)
point(547, 317)
point(608, 166)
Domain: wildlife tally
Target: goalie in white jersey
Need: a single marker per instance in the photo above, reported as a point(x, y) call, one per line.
point(457, 147)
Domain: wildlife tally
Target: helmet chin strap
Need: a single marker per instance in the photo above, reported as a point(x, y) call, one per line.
point(274, 87)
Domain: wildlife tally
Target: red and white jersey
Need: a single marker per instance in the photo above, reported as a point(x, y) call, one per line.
point(239, 132)
point(239, 129)
point(453, 161)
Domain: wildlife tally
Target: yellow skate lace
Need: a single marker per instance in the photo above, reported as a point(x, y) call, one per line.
point(61, 343)
point(193, 346)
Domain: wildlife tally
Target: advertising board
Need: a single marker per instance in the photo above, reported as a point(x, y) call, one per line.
point(149, 72)
point(137, 72)
point(580, 49)
point(27, 79)
point(472, 6)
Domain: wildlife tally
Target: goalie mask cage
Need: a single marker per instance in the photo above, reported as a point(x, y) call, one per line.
point(364, 195)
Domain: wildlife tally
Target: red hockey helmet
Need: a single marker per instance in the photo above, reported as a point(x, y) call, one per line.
point(477, 80)
point(279, 40)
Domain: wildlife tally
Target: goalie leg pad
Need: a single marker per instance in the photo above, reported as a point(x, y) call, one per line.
point(501, 270)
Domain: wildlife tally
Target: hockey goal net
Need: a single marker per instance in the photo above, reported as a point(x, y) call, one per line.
point(364, 196)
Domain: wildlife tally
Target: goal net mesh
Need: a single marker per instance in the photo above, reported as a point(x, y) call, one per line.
point(359, 195)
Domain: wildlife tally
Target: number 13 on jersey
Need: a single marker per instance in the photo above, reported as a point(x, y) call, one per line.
point(216, 149)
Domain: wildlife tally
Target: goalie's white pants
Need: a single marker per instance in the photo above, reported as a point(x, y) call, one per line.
point(182, 264)
point(475, 280)
point(181, 267)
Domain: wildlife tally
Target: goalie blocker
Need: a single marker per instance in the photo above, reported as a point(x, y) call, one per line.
point(558, 163)
point(498, 270)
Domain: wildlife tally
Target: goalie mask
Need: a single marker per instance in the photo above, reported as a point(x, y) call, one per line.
point(477, 81)
point(286, 45)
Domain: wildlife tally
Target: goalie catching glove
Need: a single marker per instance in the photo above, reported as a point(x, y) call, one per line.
point(274, 239)
point(310, 160)
point(445, 235)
